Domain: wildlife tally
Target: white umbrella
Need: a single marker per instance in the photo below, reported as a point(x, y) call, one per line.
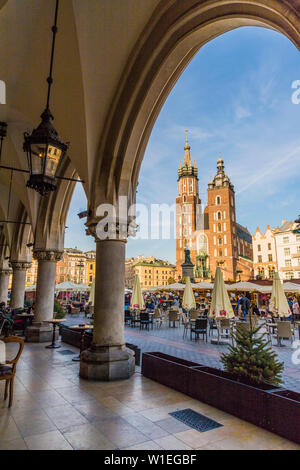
point(137, 299)
point(278, 304)
point(244, 286)
point(220, 304)
point(188, 301)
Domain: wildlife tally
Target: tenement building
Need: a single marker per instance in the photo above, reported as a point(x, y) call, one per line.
point(287, 239)
point(213, 236)
point(264, 254)
point(152, 272)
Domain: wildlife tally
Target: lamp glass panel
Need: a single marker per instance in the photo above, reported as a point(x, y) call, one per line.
point(37, 158)
point(53, 157)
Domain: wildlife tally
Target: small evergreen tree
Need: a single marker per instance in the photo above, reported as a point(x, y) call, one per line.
point(252, 359)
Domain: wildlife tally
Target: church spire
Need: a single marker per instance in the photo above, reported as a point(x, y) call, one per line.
point(187, 156)
point(187, 169)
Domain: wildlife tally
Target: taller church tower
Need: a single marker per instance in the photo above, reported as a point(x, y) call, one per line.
point(187, 206)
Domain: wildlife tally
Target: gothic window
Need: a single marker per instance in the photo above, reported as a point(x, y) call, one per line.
point(191, 186)
point(218, 200)
point(220, 241)
point(220, 253)
point(219, 215)
point(219, 228)
point(184, 186)
point(184, 198)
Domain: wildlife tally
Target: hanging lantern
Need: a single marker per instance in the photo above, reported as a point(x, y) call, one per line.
point(44, 151)
point(43, 147)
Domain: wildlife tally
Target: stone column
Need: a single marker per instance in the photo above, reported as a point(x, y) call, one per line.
point(4, 281)
point(108, 358)
point(18, 283)
point(41, 331)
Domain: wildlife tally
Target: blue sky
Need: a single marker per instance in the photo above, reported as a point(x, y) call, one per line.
point(235, 98)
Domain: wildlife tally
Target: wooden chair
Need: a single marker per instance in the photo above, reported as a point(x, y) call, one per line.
point(7, 373)
point(223, 324)
point(285, 330)
point(173, 317)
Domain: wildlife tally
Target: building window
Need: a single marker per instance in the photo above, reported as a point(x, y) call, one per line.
point(91, 278)
point(220, 241)
point(269, 246)
point(285, 239)
point(288, 262)
point(219, 215)
point(298, 249)
point(289, 275)
point(225, 240)
point(218, 200)
point(259, 258)
point(225, 251)
point(258, 247)
point(270, 257)
point(219, 228)
point(220, 253)
point(287, 252)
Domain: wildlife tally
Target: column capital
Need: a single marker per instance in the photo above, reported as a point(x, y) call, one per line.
point(20, 265)
point(103, 229)
point(48, 255)
point(5, 272)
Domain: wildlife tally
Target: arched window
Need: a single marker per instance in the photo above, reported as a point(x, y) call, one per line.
point(184, 198)
point(219, 228)
point(220, 253)
point(219, 215)
point(220, 241)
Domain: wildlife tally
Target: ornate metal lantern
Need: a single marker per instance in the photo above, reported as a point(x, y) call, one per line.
point(43, 147)
point(44, 151)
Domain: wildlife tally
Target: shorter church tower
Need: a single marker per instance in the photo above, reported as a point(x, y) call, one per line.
point(222, 233)
point(187, 205)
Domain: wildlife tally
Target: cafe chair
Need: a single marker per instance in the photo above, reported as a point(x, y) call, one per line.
point(285, 330)
point(8, 370)
point(200, 329)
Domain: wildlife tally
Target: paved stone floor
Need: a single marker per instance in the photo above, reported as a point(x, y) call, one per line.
point(55, 409)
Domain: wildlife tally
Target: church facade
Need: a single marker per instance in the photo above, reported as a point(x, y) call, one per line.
point(213, 236)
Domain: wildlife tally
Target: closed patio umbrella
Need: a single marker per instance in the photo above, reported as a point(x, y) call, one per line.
point(220, 304)
point(92, 294)
point(137, 299)
point(278, 304)
point(188, 301)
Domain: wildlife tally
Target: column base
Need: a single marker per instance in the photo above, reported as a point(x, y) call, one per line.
point(39, 333)
point(107, 363)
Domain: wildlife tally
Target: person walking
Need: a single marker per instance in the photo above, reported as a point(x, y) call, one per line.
point(245, 304)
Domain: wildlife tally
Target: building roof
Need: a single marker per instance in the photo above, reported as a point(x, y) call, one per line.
point(157, 263)
point(243, 233)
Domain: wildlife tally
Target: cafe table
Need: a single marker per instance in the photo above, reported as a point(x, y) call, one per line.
point(54, 322)
point(82, 328)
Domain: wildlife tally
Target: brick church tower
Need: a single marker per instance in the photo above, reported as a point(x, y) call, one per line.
point(187, 206)
point(222, 230)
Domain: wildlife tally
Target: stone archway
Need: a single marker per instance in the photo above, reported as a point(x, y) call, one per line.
point(175, 33)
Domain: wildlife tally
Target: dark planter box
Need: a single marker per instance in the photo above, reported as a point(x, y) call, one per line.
point(275, 409)
point(73, 337)
point(283, 411)
point(167, 370)
point(218, 388)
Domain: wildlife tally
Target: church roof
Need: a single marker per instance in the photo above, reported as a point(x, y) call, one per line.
point(243, 233)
